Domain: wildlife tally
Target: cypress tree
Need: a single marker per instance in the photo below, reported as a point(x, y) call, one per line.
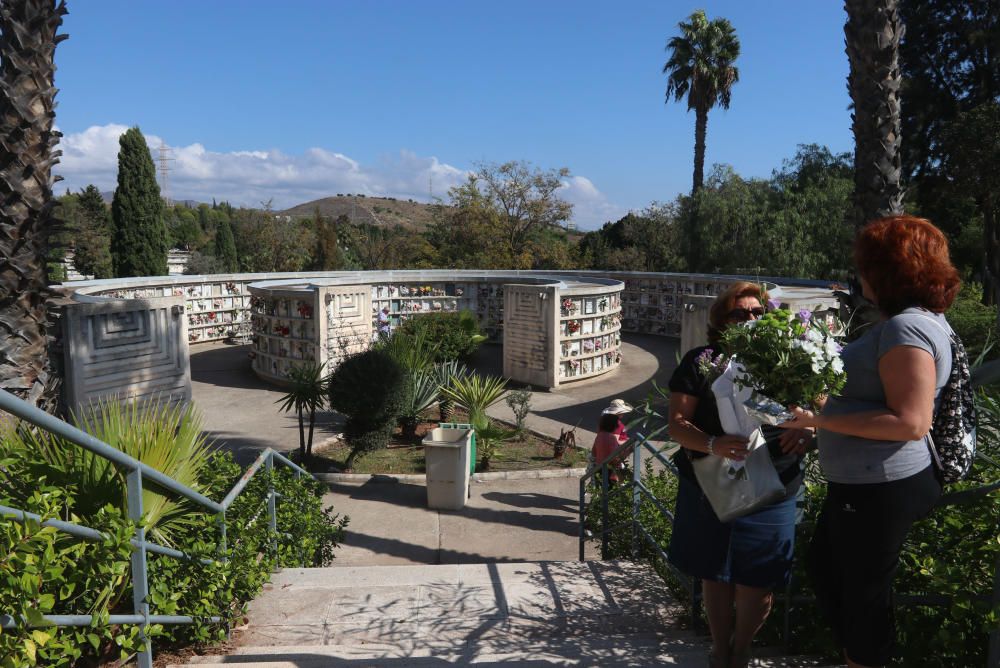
point(139, 242)
point(225, 247)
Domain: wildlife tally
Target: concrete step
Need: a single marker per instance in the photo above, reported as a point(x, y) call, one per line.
point(519, 614)
point(614, 651)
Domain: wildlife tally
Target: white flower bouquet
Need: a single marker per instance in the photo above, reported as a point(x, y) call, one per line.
point(787, 359)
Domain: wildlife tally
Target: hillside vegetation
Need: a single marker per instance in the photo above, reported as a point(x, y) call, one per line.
point(359, 209)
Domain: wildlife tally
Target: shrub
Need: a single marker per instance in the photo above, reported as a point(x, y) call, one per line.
point(47, 572)
point(370, 388)
point(952, 554)
point(519, 401)
point(974, 322)
point(454, 335)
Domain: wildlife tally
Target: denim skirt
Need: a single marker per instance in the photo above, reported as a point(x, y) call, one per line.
point(754, 550)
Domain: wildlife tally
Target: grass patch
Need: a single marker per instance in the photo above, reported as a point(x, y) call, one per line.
point(402, 457)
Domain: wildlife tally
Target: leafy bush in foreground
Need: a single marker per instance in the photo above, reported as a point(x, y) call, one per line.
point(43, 571)
point(951, 556)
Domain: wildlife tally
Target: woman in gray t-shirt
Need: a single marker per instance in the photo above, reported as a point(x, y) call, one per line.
point(873, 444)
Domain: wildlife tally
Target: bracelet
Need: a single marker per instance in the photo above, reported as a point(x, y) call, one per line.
point(711, 445)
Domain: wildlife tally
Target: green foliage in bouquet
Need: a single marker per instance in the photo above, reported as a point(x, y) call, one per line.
point(790, 357)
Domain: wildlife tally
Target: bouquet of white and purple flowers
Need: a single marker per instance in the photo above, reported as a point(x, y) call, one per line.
point(790, 358)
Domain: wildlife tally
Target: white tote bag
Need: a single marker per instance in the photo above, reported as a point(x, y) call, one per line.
point(736, 488)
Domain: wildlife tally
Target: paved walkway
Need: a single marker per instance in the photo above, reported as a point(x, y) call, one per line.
point(504, 520)
point(240, 411)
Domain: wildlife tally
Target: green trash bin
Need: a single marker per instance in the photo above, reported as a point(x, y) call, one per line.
point(464, 425)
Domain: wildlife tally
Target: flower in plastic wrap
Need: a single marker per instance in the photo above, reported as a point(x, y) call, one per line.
point(791, 358)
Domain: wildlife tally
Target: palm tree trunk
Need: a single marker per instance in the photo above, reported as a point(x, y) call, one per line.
point(991, 239)
point(302, 436)
point(700, 130)
point(872, 32)
point(312, 425)
point(28, 41)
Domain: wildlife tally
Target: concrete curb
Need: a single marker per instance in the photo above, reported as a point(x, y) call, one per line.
point(539, 474)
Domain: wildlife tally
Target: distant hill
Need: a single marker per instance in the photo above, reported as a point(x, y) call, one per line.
point(381, 211)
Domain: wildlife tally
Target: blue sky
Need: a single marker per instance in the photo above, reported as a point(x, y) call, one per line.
point(297, 100)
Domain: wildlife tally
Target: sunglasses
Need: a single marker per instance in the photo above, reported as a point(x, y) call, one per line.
point(743, 314)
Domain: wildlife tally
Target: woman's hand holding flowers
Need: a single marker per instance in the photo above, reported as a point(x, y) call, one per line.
point(801, 419)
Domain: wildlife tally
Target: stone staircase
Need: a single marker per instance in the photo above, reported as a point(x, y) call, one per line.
point(520, 614)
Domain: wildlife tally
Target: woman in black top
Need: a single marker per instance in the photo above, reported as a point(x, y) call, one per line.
point(742, 561)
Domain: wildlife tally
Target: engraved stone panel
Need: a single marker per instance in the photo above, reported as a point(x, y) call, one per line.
point(129, 349)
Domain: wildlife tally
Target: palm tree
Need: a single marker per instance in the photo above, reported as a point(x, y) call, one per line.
point(872, 33)
point(701, 67)
point(307, 392)
point(27, 113)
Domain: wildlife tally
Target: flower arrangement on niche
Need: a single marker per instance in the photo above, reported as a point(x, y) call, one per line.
point(231, 288)
point(282, 330)
point(603, 304)
point(305, 310)
point(568, 307)
point(573, 326)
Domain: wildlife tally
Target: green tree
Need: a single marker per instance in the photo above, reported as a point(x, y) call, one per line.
point(267, 243)
point(702, 68)
point(872, 32)
point(28, 41)
point(225, 248)
point(503, 217)
point(183, 230)
point(139, 243)
point(92, 249)
point(971, 152)
point(328, 256)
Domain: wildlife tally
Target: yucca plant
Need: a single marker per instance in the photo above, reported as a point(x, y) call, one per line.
point(166, 437)
point(476, 393)
point(448, 371)
point(306, 395)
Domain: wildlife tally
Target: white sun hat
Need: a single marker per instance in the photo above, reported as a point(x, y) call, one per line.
point(617, 407)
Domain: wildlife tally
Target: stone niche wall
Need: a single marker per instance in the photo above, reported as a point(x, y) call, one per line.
point(529, 340)
point(127, 350)
point(584, 341)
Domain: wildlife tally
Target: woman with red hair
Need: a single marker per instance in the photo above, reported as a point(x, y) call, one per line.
point(873, 446)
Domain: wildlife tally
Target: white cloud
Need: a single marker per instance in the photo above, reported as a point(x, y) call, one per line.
point(591, 207)
point(249, 177)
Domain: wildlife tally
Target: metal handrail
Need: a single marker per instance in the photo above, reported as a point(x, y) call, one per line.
point(136, 473)
point(641, 442)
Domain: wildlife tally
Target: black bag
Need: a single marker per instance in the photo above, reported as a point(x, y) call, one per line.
point(952, 438)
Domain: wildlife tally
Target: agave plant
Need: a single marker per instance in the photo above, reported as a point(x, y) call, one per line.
point(424, 387)
point(306, 395)
point(166, 437)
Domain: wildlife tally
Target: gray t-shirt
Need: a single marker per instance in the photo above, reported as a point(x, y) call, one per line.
point(854, 460)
